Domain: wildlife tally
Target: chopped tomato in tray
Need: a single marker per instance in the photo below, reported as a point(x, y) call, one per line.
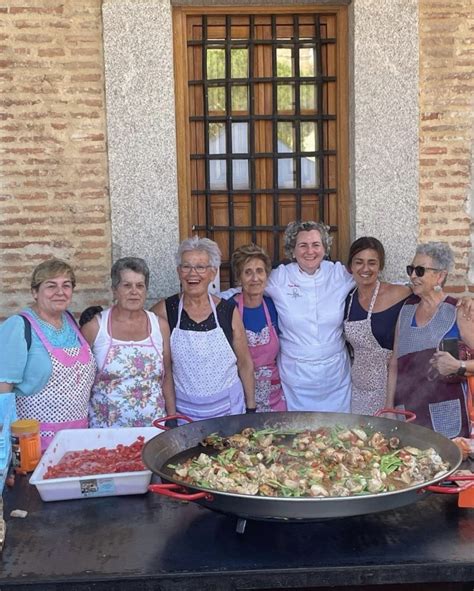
point(122, 458)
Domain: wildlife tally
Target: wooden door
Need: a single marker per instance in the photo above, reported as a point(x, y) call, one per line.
point(262, 124)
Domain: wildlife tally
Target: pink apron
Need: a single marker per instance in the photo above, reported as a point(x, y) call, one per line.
point(63, 402)
point(127, 389)
point(205, 375)
point(264, 348)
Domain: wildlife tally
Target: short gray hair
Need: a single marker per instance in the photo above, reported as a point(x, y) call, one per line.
point(294, 228)
point(129, 264)
point(202, 244)
point(440, 252)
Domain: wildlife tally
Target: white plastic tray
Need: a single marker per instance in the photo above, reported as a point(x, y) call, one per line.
point(98, 485)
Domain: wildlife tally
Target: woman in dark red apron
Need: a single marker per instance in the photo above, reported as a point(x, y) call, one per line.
point(251, 266)
point(429, 319)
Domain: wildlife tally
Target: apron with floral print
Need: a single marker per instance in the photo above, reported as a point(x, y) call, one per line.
point(264, 347)
point(62, 403)
point(370, 366)
point(127, 389)
point(205, 374)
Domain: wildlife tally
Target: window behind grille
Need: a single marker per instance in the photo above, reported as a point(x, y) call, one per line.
point(262, 125)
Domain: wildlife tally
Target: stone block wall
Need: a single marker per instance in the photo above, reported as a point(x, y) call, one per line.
point(447, 131)
point(53, 165)
point(54, 198)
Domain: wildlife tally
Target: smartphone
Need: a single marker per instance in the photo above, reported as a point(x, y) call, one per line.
point(450, 346)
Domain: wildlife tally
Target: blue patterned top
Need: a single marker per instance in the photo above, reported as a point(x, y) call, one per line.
point(30, 370)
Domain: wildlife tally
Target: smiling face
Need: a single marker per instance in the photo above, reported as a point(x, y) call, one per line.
point(365, 267)
point(195, 282)
point(425, 285)
point(309, 250)
point(253, 277)
point(130, 293)
point(53, 295)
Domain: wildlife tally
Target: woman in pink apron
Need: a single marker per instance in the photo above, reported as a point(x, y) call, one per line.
point(212, 367)
point(251, 266)
point(45, 360)
point(133, 385)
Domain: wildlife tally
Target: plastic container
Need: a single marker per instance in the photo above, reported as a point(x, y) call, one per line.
point(26, 444)
point(7, 416)
point(97, 485)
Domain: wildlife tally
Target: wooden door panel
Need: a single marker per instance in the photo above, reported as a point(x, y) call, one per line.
point(277, 79)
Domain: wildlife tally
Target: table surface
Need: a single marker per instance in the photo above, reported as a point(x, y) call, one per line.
point(147, 542)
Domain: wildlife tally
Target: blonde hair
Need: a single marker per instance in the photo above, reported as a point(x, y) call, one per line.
point(50, 269)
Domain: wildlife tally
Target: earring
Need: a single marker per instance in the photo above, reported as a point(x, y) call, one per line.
point(437, 288)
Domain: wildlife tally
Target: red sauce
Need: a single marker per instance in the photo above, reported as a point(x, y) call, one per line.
point(122, 458)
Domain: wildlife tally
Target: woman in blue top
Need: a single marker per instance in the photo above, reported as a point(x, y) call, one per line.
point(251, 267)
point(44, 359)
point(372, 309)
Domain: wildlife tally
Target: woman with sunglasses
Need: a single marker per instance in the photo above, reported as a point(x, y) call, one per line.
point(429, 319)
point(212, 367)
point(371, 313)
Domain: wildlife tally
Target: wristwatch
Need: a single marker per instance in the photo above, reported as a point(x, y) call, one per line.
point(462, 369)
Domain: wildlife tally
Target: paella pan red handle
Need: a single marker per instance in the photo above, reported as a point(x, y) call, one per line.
point(451, 490)
point(170, 490)
point(410, 416)
point(160, 423)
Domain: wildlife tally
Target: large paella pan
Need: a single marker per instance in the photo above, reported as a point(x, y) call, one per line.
point(162, 450)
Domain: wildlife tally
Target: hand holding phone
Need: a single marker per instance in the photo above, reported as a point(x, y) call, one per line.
point(450, 346)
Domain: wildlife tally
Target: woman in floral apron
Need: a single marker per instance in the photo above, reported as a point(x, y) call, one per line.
point(212, 367)
point(133, 385)
point(44, 359)
point(251, 266)
point(372, 310)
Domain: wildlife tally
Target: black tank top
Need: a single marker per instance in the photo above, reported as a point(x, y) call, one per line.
point(224, 309)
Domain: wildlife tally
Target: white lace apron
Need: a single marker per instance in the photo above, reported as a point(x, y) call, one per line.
point(205, 372)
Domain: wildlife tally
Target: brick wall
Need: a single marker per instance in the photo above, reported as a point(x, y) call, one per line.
point(53, 167)
point(446, 130)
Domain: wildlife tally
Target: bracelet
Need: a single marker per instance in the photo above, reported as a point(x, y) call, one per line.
point(250, 410)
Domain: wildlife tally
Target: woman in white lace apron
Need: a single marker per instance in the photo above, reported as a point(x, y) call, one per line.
point(44, 359)
point(371, 315)
point(428, 321)
point(133, 385)
point(251, 267)
point(212, 367)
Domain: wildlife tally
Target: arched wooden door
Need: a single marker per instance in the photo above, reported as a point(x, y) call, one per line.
point(262, 124)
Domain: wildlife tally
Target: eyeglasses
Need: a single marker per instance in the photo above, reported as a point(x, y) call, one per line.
point(200, 269)
point(419, 270)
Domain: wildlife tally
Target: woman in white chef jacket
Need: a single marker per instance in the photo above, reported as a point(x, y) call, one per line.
point(309, 296)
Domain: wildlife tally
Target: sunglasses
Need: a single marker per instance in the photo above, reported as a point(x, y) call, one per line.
point(419, 270)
